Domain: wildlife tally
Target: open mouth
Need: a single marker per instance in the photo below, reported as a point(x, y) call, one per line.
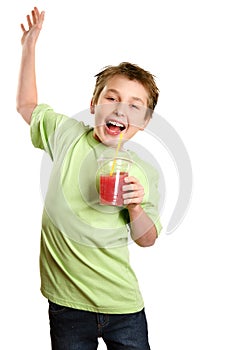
point(115, 127)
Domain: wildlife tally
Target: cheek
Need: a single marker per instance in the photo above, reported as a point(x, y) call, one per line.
point(98, 120)
point(137, 120)
point(104, 110)
point(132, 130)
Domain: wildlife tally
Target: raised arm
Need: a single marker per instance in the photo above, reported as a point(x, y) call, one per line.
point(26, 99)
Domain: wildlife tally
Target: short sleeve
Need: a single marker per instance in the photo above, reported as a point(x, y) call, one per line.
point(151, 202)
point(43, 125)
point(149, 178)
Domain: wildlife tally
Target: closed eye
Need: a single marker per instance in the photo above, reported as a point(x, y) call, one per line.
point(134, 106)
point(111, 99)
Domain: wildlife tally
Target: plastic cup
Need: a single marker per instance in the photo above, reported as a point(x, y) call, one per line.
point(111, 180)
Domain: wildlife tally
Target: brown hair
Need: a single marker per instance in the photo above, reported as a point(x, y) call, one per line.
point(132, 72)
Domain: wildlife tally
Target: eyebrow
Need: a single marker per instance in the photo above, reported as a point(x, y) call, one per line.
point(134, 98)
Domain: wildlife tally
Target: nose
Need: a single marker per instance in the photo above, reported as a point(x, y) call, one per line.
point(119, 113)
point(120, 110)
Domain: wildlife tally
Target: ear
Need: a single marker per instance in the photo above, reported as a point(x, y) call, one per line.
point(92, 107)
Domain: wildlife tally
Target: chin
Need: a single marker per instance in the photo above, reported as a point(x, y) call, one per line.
point(108, 140)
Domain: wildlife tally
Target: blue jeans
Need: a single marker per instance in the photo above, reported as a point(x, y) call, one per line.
point(73, 329)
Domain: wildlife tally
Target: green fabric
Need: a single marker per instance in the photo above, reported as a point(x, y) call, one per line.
point(84, 259)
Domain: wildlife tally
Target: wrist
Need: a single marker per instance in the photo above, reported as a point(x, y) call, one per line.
point(134, 209)
point(29, 45)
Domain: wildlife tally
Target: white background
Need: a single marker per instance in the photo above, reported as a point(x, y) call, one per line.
point(186, 278)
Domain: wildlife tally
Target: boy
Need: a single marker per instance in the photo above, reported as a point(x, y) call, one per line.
point(84, 264)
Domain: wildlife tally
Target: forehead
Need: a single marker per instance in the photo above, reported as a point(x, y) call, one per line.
point(126, 88)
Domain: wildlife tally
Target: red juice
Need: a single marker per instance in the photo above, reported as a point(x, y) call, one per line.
point(111, 188)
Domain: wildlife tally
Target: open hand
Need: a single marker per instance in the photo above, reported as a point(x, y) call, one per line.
point(35, 22)
point(133, 191)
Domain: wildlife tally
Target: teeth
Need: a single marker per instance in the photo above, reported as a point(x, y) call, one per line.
point(116, 123)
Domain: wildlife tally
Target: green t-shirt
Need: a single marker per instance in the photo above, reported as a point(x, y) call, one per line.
point(84, 258)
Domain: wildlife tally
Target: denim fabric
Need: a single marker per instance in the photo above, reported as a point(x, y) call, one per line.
point(73, 329)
